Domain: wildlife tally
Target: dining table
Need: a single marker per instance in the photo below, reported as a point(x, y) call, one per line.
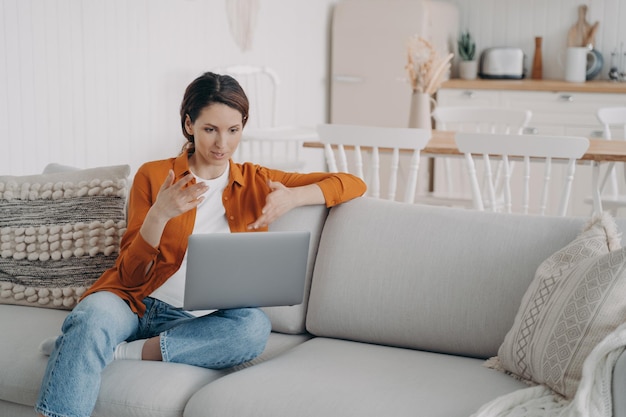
point(443, 144)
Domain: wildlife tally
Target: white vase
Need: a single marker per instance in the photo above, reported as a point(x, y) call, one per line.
point(468, 70)
point(420, 110)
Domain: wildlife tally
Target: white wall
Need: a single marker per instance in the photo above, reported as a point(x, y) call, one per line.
point(90, 82)
point(517, 22)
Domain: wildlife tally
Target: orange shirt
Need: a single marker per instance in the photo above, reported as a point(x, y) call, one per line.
point(141, 268)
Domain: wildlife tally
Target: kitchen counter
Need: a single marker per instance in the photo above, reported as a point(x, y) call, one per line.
point(538, 85)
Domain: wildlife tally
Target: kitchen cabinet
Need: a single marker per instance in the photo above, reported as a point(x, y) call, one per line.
point(563, 113)
point(475, 98)
point(558, 108)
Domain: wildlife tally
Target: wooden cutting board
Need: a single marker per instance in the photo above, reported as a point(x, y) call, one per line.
point(582, 33)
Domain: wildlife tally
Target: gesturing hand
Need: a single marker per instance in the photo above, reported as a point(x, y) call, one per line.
point(279, 201)
point(177, 198)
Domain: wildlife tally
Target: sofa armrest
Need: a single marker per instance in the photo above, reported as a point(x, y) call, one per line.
point(619, 386)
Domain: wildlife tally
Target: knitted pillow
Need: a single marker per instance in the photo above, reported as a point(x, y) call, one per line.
point(575, 300)
point(58, 232)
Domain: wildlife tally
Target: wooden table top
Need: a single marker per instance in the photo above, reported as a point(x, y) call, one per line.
point(442, 143)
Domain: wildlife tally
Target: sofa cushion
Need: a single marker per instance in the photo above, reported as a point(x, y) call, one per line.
point(329, 377)
point(575, 300)
point(23, 329)
point(58, 232)
point(130, 388)
point(124, 392)
point(291, 319)
point(15, 410)
point(431, 278)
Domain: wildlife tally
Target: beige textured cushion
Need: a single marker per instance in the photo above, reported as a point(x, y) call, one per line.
point(58, 232)
point(577, 297)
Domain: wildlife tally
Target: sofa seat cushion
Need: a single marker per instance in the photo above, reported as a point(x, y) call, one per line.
point(156, 389)
point(23, 329)
point(330, 377)
point(124, 391)
point(149, 389)
point(15, 410)
point(277, 344)
point(129, 388)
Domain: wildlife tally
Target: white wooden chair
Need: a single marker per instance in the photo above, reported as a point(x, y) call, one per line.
point(450, 185)
point(263, 140)
point(613, 120)
point(358, 140)
point(539, 148)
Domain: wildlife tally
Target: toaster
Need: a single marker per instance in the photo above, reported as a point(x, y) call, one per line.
point(502, 63)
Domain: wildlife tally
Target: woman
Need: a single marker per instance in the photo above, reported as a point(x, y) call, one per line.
point(133, 310)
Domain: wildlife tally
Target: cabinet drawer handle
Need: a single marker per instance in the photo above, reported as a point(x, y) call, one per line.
point(566, 97)
point(347, 78)
point(468, 94)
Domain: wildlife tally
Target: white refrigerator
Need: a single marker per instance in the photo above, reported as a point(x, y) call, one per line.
point(369, 53)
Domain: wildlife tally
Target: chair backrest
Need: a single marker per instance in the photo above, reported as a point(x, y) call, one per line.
point(263, 142)
point(337, 139)
point(612, 117)
point(261, 86)
point(472, 119)
point(540, 148)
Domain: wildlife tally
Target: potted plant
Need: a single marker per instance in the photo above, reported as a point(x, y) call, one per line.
point(468, 67)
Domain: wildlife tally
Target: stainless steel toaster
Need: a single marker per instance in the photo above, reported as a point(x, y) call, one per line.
point(502, 63)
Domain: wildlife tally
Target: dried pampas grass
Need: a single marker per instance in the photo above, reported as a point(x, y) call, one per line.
point(426, 69)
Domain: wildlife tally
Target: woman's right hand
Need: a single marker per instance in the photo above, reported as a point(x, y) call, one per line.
point(173, 200)
point(177, 198)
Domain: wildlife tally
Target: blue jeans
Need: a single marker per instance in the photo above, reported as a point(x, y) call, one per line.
point(102, 320)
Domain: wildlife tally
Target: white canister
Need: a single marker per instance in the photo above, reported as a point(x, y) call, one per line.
point(576, 64)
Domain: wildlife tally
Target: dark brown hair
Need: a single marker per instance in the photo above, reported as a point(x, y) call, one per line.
point(212, 88)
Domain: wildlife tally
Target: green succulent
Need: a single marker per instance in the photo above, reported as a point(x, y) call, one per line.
point(467, 47)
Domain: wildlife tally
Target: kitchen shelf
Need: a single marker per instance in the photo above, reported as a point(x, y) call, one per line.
point(538, 85)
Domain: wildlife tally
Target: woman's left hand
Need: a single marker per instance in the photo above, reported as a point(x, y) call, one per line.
point(279, 201)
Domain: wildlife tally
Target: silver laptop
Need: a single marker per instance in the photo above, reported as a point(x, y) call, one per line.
point(234, 270)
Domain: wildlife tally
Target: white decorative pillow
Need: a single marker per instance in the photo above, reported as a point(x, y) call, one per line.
point(578, 296)
point(58, 232)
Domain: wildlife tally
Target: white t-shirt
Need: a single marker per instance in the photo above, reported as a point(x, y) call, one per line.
point(210, 218)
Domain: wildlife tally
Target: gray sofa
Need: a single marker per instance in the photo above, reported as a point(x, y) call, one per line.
point(406, 302)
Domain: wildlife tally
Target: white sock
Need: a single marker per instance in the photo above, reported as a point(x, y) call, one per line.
point(46, 347)
point(130, 350)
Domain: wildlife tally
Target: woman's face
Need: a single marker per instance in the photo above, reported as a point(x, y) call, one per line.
point(217, 133)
